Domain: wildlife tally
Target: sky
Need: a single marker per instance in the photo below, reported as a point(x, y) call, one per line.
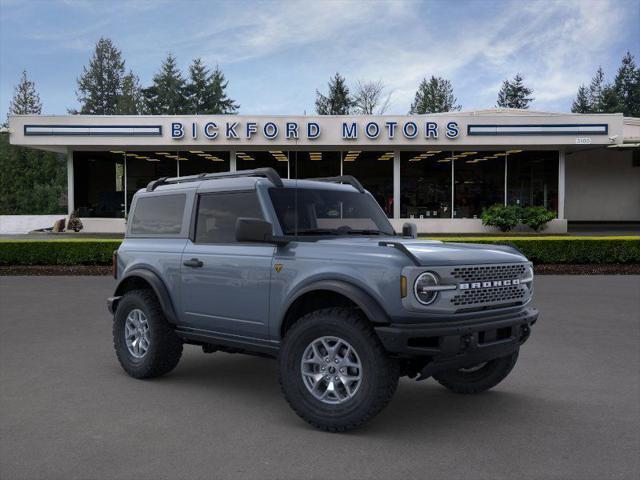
point(275, 54)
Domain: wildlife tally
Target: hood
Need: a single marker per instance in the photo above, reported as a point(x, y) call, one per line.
point(444, 253)
point(437, 253)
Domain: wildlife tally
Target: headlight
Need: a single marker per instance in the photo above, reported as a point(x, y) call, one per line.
point(426, 288)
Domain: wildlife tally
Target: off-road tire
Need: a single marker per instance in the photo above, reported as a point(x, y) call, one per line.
point(478, 381)
point(379, 378)
point(166, 347)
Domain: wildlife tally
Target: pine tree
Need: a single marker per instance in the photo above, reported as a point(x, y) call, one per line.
point(99, 86)
point(338, 101)
point(25, 99)
point(434, 95)
point(514, 94)
point(218, 100)
point(130, 101)
point(627, 86)
point(596, 91)
point(581, 104)
point(196, 89)
point(206, 92)
point(167, 95)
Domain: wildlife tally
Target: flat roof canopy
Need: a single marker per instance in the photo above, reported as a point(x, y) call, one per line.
point(503, 127)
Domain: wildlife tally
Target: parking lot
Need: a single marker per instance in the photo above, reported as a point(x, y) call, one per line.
point(570, 409)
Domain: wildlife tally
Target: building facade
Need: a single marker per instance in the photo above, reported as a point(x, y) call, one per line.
point(439, 171)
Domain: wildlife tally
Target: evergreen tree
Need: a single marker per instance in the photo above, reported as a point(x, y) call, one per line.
point(434, 95)
point(130, 101)
point(99, 86)
point(206, 92)
point(218, 100)
point(596, 91)
point(167, 95)
point(338, 101)
point(31, 181)
point(581, 104)
point(25, 99)
point(514, 94)
point(627, 86)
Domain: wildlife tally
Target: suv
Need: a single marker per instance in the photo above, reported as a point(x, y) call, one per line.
point(311, 272)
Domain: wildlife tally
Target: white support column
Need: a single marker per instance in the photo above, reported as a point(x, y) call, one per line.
point(71, 204)
point(232, 161)
point(561, 177)
point(396, 184)
point(453, 185)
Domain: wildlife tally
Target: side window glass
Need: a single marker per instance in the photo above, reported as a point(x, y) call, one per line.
point(158, 215)
point(218, 212)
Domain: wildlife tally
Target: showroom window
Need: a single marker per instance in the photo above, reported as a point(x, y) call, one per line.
point(276, 159)
point(375, 171)
point(478, 182)
point(532, 178)
point(425, 184)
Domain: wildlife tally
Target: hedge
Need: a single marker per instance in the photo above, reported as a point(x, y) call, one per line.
point(566, 249)
point(58, 252)
point(548, 249)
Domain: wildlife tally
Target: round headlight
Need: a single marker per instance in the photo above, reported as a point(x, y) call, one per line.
point(423, 288)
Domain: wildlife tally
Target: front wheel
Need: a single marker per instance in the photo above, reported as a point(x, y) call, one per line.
point(478, 378)
point(333, 370)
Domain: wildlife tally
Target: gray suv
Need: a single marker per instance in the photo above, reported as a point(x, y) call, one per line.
point(312, 273)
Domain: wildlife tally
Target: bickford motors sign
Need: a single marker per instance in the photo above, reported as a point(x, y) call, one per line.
point(294, 130)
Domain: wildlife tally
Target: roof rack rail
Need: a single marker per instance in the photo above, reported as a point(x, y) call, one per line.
point(351, 180)
point(266, 172)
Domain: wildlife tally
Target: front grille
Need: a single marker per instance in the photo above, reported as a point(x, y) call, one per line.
point(489, 272)
point(510, 294)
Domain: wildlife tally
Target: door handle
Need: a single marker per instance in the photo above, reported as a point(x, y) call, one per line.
point(194, 263)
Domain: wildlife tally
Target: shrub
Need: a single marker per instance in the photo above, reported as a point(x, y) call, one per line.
point(503, 217)
point(537, 217)
point(568, 250)
point(57, 252)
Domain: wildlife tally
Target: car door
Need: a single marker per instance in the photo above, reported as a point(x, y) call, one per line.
point(225, 284)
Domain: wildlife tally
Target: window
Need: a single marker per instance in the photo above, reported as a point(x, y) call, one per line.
point(479, 182)
point(158, 215)
point(374, 170)
point(218, 212)
point(331, 212)
point(276, 159)
point(425, 184)
point(532, 179)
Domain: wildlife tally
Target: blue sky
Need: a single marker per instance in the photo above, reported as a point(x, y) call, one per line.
point(275, 54)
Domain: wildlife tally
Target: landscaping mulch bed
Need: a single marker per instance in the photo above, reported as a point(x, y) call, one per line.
point(93, 270)
point(546, 269)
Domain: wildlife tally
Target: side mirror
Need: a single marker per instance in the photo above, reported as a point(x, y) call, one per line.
point(253, 230)
point(410, 230)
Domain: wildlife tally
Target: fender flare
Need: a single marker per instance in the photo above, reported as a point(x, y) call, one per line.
point(158, 286)
point(369, 306)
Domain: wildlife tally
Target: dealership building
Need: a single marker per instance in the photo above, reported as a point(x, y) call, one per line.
point(439, 170)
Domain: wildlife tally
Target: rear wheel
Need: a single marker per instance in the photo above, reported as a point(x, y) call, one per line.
point(478, 378)
point(333, 370)
point(145, 343)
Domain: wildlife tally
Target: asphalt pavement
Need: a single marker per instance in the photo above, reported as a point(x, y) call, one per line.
point(569, 410)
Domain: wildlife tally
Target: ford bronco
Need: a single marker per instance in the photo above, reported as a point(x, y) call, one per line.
point(312, 273)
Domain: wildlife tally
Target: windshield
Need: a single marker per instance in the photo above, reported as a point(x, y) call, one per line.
point(328, 212)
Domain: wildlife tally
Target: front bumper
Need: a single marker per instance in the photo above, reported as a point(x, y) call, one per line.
point(459, 344)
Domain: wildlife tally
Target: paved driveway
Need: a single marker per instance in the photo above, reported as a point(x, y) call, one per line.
point(569, 410)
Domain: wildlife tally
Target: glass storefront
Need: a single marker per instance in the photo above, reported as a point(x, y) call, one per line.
point(433, 183)
point(425, 184)
point(532, 179)
point(478, 182)
point(374, 170)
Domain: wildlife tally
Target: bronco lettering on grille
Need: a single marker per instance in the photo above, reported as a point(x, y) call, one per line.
point(493, 283)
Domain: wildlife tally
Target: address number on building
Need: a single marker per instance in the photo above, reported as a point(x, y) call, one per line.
point(583, 141)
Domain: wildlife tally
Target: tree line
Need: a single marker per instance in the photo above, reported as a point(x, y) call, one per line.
point(33, 181)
